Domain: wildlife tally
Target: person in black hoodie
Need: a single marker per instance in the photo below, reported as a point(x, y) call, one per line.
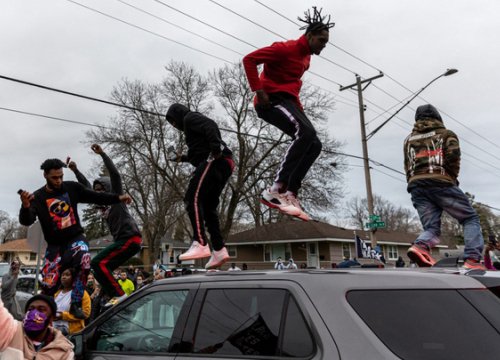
point(55, 206)
point(126, 234)
point(214, 165)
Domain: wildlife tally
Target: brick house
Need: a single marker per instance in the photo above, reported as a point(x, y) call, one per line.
point(20, 249)
point(315, 244)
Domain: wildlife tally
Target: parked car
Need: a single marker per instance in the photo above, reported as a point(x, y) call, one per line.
point(25, 289)
point(4, 269)
point(306, 314)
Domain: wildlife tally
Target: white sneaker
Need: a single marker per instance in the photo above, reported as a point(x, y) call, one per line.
point(292, 199)
point(195, 251)
point(278, 201)
point(217, 259)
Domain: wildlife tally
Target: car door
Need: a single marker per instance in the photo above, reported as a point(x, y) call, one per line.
point(149, 324)
point(255, 319)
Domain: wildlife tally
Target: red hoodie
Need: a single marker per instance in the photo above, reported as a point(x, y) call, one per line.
point(284, 64)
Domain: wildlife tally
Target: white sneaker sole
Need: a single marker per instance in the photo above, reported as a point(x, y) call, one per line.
point(193, 257)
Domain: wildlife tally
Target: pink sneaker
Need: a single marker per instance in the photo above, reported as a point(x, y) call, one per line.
point(217, 259)
point(195, 251)
point(292, 200)
point(278, 201)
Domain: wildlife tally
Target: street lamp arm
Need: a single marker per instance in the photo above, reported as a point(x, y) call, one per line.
point(447, 73)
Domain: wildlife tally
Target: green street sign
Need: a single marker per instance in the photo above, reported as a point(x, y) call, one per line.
point(375, 224)
point(374, 218)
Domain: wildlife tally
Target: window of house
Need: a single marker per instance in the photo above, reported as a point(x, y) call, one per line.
point(145, 325)
point(252, 322)
point(32, 256)
point(231, 250)
point(274, 251)
point(392, 252)
point(346, 250)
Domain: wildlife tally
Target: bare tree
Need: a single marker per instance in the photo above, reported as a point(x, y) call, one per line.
point(10, 228)
point(139, 144)
point(396, 218)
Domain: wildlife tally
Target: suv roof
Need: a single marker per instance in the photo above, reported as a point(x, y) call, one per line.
point(346, 278)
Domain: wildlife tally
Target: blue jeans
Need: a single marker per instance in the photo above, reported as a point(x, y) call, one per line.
point(431, 201)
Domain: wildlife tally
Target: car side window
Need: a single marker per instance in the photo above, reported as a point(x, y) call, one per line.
point(255, 322)
point(145, 325)
point(26, 285)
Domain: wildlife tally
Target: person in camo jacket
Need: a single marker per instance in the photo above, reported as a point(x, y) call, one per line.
point(432, 164)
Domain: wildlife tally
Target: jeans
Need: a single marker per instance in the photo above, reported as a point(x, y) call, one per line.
point(431, 201)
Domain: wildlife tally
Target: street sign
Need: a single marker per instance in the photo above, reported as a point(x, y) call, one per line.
point(374, 218)
point(375, 224)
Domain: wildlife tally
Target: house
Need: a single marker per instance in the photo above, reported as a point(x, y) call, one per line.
point(18, 249)
point(315, 244)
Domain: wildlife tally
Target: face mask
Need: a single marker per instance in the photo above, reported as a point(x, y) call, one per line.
point(139, 282)
point(34, 323)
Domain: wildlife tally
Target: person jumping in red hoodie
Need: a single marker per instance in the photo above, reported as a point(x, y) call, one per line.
point(277, 102)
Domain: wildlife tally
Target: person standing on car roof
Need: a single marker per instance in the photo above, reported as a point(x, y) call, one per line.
point(55, 206)
point(277, 102)
point(214, 165)
point(432, 164)
point(9, 283)
point(127, 238)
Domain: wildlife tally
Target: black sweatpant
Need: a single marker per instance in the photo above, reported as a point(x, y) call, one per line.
point(202, 199)
point(286, 115)
point(111, 258)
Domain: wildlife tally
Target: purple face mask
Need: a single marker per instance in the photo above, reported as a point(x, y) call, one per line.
point(35, 322)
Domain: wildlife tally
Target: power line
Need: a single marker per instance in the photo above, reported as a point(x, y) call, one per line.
point(54, 118)
point(148, 31)
point(180, 27)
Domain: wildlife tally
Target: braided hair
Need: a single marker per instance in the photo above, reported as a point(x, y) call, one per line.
point(315, 23)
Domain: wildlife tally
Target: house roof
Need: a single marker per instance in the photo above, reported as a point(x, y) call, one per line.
point(294, 231)
point(19, 245)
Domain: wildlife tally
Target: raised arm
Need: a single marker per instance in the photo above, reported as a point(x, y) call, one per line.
point(114, 175)
point(79, 176)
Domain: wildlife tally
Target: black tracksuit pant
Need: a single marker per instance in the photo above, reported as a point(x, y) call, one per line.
point(286, 115)
point(202, 199)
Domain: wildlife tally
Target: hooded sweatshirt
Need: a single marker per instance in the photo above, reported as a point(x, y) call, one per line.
point(431, 151)
point(202, 134)
point(15, 345)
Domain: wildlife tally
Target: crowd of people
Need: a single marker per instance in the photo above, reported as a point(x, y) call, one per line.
point(75, 287)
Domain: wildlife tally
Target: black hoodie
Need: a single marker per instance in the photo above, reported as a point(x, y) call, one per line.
point(202, 134)
point(121, 224)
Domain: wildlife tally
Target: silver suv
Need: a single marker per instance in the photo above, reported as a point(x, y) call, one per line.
point(305, 314)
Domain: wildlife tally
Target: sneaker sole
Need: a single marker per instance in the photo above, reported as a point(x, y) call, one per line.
point(419, 259)
point(195, 257)
point(220, 263)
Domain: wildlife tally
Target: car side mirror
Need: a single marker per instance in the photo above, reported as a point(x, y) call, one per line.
point(77, 341)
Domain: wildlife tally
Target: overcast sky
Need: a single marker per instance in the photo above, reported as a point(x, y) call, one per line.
point(63, 45)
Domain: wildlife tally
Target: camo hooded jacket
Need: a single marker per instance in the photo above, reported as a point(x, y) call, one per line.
point(431, 151)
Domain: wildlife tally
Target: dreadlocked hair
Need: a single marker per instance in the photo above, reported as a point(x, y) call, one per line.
point(315, 23)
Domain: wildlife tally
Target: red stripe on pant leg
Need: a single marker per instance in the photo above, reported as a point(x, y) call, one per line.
point(196, 211)
point(105, 260)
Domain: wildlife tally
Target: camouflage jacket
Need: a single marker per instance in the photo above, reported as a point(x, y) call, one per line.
point(432, 152)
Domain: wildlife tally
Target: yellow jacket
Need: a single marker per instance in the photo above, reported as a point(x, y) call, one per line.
point(75, 324)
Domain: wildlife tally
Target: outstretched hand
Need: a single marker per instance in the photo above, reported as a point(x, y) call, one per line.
point(97, 149)
point(125, 198)
point(70, 164)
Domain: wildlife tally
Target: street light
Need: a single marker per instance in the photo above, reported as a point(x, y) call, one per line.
point(448, 72)
point(365, 138)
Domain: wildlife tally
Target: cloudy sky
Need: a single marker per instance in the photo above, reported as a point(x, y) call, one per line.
point(61, 44)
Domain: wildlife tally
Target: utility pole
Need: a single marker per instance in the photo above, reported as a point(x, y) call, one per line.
point(366, 161)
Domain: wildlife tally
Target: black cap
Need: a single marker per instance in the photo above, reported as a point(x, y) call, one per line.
point(48, 299)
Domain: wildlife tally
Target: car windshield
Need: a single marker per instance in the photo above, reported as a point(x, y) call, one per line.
point(4, 268)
